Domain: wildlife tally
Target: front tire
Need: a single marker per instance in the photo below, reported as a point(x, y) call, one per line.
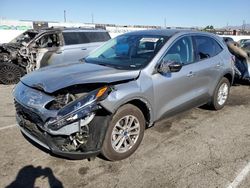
point(10, 73)
point(221, 94)
point(124, 134)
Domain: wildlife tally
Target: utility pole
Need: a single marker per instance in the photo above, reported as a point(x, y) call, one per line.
point(92, 18)
point(244, 26)
point(165, 23)
point(64, 13)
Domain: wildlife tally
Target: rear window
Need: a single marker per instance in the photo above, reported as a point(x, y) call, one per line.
point(207, 47)
point(71, 38)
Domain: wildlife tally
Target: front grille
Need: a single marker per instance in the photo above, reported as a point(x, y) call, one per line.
point(33, 130)
point(29, 121)
point(27, 114)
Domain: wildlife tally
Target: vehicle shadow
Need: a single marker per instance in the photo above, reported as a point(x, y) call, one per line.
point(27, 176)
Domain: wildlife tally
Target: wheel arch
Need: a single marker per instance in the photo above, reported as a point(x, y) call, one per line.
point(145, 108)
point(229, 76)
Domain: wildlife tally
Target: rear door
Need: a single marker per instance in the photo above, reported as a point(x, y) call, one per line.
point(73, 49)
point(79, 44)
point(94, 40)
point(47, 50)
point(208, 63)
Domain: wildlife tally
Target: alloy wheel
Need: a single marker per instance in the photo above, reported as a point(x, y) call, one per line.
point(125, 133)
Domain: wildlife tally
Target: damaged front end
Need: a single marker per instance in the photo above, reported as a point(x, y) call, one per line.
point(70, 123)
point(14, 53)
point(241, 62)
point(16, 58)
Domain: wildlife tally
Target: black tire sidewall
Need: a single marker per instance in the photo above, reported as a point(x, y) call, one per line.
point(215, 103)
point(107, 150)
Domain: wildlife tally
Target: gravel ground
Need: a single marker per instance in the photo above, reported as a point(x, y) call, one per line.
point(198, 148)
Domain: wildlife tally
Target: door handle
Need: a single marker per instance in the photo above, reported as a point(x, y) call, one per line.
point(219, 65)
point(84, 49)
point(190, 74)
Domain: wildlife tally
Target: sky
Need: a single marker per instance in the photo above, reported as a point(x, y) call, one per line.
point(189, 13)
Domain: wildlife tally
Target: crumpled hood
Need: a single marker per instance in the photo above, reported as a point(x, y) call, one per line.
point(51, 79)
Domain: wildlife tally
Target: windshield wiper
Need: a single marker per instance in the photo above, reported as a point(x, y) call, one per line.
point(109, 65)
point(104, 64)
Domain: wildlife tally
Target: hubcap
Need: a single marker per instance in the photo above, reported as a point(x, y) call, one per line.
point(125, 133)
point(222, 94)
point(10, 74)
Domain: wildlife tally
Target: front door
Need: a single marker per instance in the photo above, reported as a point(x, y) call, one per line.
point(177, 91)
point(46, 50)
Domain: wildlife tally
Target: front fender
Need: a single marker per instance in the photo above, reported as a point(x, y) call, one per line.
point(125, 93)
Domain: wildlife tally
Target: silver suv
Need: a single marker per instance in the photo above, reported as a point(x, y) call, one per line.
point(35, 49)
point(132, 81)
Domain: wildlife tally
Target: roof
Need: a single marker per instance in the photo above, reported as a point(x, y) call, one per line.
point(168, 32)
point(161, 32)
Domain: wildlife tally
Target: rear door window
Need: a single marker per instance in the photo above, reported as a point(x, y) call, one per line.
point(71, 38)
point(83, 38)
point(206, 47)
point(97, 36)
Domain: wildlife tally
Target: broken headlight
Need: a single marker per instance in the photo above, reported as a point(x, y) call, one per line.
point(79, 108)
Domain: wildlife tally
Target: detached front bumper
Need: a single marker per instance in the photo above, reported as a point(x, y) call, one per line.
point(50, 143)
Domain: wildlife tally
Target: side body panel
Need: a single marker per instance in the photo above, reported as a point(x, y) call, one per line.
point(73, 53)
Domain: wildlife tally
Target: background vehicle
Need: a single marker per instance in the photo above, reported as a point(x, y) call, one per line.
point(126, 85)
point(35, 49)
point(242, 41)
point(241, 61)
point(228, 39)
point(246, 46)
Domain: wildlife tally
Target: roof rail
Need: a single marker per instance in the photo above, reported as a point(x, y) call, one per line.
point(71, 28)
point(57, 27)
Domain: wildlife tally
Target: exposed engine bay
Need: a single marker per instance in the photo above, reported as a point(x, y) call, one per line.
point(76, 141)
point(71, 116)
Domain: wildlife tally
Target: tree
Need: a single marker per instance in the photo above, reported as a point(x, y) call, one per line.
point(209, 27)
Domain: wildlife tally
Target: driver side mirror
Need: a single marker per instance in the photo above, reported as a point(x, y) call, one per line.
point(169, 66)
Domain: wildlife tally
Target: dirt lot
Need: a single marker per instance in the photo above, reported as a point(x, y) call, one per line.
point(199, 148)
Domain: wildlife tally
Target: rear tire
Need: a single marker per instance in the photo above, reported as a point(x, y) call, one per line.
point(124, 133)
point(221, 94)
point(10, 73)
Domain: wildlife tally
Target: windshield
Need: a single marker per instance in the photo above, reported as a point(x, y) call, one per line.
point(24, 37)
point(127, 51)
